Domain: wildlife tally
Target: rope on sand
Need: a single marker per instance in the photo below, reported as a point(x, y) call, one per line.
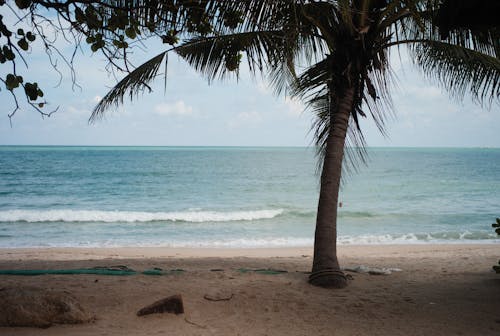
point(113, 270)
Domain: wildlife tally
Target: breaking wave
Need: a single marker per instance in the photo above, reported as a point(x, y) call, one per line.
point(35, 216)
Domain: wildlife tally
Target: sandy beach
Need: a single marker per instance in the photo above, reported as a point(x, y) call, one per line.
point(440, 290)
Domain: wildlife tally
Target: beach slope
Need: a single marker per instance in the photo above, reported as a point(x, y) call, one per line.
point(440, 290)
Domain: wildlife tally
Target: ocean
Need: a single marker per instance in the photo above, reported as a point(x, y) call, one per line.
point(240, 197)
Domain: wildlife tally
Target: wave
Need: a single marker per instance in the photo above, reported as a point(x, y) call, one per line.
point(243, 242)
point(36, 216)
point(246, 243)
point(421, 238)
point(357, 214)
point(263, 242)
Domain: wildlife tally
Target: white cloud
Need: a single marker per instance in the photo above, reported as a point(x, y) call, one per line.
point(425, 92)
point(294, 107)
point(179, 108)
point(245, 119)
point(264, 88)
point(75, 111)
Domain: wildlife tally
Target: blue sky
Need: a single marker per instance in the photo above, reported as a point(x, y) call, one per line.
point(229, 113)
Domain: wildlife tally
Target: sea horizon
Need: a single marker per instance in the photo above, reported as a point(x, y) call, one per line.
point(250, 146)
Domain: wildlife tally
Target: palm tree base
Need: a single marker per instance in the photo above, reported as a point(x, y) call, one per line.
point(329, 278)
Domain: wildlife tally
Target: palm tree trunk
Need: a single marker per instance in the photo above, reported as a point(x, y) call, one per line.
point(326, 270)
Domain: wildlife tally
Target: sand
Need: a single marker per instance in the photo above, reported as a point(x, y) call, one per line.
point(441, 290)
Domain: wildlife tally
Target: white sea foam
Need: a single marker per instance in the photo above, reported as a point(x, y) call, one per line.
point(247, 243)
point(233, 242)
point(36, 216)
point(428, 238)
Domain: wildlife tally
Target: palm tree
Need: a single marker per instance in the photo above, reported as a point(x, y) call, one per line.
point(356, 70)
point(345, 47)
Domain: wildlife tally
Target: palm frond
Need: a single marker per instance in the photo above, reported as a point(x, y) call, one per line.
point(302, 42)
point(272, 45)
point(377, 92)
point(209, 55)
point(314, 79)
point(134, 83)
point(463, 60)
point(355, 153)
point(460, 70)
point(478, 17)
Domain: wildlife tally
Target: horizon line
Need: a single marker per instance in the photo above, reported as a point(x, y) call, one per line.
point(250, 146)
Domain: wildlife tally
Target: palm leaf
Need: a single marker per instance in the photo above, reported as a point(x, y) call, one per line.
point(467, 61)
point(133, 84)
point(460, 70)
point(208, 55)
point(355, 153)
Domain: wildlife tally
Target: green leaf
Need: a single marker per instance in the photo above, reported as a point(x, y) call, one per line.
point(4, 30)
point(91, 18)
point(79, 15)
point(151, 26)
point(23, 4)
point(20, 32)
point(130, 32)
point(9, 55)
point(122, 21)
point(11, 82)
point(170, 39)
point(23, 44)
point(30, 36)
point(233, 61)
point(132, 84)
point(232, 19)
point(31, 90)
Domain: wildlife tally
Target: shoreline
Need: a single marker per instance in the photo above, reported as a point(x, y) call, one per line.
point(368, 251)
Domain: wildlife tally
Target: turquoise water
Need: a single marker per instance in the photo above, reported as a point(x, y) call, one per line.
point(239, 197)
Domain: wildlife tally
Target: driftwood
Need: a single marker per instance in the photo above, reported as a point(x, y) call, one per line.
point(171, 304)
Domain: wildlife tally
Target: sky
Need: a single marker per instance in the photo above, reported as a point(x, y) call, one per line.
point(243, 112)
